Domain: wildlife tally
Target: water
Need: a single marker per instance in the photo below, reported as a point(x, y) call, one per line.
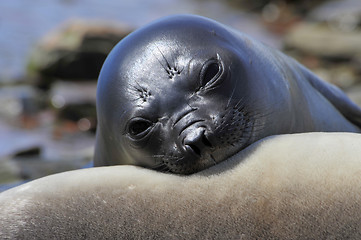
point(24, 22)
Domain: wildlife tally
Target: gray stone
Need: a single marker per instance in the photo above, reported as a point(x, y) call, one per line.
point(71, 146)
point(355, 94)
point(342, 15)
point(9, 171)
point(17, 101)
point(66, 93)
point(33, 168)
point(75, 51)
point(341, 75)
point(13, 140)
point(320, 40)
point(75, 102)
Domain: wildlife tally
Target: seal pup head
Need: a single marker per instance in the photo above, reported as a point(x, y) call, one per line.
point(183, 94)
point(171, 97)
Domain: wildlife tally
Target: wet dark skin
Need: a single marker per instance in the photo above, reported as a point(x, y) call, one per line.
point(185, 93)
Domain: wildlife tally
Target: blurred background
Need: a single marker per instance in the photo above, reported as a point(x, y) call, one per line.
point(51, 53)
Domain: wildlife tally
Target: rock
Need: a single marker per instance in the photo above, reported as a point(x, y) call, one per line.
point(14, 141)
point(75, 102)
point(33, 168)
point(75, 51)
point(68, 93)
point(297, 6)
point(30, 154)
point(279, 16)
point(343, 15)
point(9, 171)
point(320, 40)
point(356, 64)
point(76, 146)
point(341, 75)
point(355, 94)
point(35, 151)
point(20, 102)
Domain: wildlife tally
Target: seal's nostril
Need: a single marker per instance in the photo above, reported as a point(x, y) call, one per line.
point(197, 142)
point(206, 142)
point(195, 149)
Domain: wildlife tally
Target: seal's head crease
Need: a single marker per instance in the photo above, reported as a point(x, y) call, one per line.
point(183, 114)
point(142, 92)
point(172, 71)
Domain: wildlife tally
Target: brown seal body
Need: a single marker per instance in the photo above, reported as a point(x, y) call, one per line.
point(297, 186)
point(185, 93)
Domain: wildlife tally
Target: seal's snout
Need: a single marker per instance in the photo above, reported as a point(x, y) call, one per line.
point(197, 142)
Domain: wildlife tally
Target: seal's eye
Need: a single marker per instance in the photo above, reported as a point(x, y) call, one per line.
point(139, 127)
point(210, 73)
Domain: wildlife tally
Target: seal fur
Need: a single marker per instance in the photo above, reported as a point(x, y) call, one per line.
point(185, 93)
point(284, 187)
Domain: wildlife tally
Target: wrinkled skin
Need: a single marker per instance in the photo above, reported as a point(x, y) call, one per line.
point(185, 93)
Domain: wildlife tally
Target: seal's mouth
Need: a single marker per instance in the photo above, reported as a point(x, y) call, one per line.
point(206, 149)
point(193, 161)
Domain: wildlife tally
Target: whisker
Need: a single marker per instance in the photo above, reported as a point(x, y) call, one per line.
point(165, 59)
point(179, 159)
point(214, 160)
point(234, 89)
point(164, 67)
point(237, 105)
point(157, 156)
point(158, 165)
point(160, 168)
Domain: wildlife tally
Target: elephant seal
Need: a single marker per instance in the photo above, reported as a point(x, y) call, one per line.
point(185, 93)
point(295, 186)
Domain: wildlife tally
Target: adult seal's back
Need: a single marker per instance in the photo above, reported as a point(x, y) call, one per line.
point(186, 92)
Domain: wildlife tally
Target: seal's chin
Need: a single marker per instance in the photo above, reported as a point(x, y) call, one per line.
point(189, 167)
